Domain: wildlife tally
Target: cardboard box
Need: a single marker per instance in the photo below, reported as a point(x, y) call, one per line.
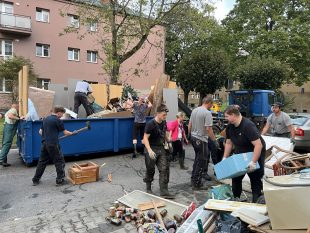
point(288, 207)
point(83, 173)
point(233, 166)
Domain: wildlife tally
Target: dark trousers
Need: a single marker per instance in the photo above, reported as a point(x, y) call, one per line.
point(81, 98)
point(138, 132)
point(9, 131)
point(201, 156)
point(255, 179)
point(177, 149)
point(50, 152)
point(162, 164)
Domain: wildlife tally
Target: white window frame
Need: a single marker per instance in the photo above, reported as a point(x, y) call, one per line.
point(3, 52)
point(6, 5)
point(43, 81)
point(92, 54)
point(3, 85)
point(74, 21)
point(43, 47)
point(92, 26)
point(74, 51)
point(40, 13)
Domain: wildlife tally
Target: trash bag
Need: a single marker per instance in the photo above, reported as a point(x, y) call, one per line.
point(220, 192)
point(229, 224)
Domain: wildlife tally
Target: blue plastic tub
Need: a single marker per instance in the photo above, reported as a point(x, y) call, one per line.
point(108, 134)
point(233, 166)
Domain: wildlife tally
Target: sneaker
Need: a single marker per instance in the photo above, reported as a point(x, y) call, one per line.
point(35, 183)
point(4, 164)
point(62, 182)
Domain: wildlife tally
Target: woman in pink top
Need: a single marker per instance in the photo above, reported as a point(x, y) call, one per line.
point(177, 135)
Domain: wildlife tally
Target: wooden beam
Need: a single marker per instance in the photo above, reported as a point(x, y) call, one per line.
point(20, 92)
point(25, 89)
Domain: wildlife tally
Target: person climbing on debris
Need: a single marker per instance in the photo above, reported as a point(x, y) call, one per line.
point(154, 139)
point(243, 136)
point(11, 119)
point(82, 89)
point(280, 123)
point(178, 137)
point(50, 149)
point(200, 128)
point(140, 110)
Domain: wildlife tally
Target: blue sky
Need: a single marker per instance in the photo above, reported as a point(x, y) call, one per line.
point(222, 8)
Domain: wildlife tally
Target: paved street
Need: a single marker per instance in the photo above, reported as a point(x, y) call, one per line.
point(79, 208)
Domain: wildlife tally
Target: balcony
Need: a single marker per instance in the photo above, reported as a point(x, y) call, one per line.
point(15, 24)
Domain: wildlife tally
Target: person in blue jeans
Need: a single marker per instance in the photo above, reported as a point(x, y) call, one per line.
point(50, 149)
point(11, 119)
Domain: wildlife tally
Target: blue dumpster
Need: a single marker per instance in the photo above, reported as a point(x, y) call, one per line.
point(107, 134)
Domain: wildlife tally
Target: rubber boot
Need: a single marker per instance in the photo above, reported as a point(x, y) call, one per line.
point(181, 160)
point(164, 193)
point(134, 155)
point(149, 188)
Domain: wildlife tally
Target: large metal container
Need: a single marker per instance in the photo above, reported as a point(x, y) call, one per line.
point(108, 134)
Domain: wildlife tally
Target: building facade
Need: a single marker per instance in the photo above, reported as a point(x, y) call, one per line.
point(33, 28)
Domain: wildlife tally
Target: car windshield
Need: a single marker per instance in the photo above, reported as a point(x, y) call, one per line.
point(298, 120)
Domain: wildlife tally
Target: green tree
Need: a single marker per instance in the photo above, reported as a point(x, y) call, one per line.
point(123, 27)
point(9, 70)
point(278, 29)
point(208, 69)
point(267, 73)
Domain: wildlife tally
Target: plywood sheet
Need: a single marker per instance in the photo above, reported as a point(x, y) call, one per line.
point(100, 94)
point(43, 100)
point(136, 197)
point(170, 97)
point(116, 91)
point(61, 94)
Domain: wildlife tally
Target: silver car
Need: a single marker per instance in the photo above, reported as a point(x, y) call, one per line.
point(301, 122)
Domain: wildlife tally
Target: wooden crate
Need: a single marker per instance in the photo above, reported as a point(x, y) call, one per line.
point(83, 173)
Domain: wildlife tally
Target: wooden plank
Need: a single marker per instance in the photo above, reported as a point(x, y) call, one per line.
point(158, 216)
point(20, 92)
point(25, 89)
point(230, 206)
point(162, 83)
point(100, 94)
point(149, 205)
point(250, 216)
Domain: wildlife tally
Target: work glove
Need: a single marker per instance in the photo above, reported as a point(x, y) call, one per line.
point(293, 141)
point(251, 167)
point(152, 154)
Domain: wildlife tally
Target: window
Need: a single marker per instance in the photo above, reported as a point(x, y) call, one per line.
point(43, 83)
point(92, 56)
point(6, 7)
point(6, 48)
point(42, 15)
point(6, 85)
point(73, 54)
point(74, 21)
point(92, 26)
point(42, 50)
point(216, 96)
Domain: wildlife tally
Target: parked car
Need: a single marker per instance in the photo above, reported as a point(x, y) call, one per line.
point(301, 122)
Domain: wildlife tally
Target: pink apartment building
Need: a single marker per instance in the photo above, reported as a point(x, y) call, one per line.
point(31, 28)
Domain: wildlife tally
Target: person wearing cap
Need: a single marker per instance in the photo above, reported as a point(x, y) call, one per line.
point(82, 89)
point(155, 136)
point(242, 136)
point(50, 149)
point(200, 128)
point(140, 109)
point(11, 119)
point(178, 137)
point(279, 123)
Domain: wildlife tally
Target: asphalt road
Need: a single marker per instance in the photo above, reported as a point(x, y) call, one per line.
point(19, 199)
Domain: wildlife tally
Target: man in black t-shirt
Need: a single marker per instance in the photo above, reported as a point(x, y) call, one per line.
point(155, 135)
point(243, 136)
point(50, 149)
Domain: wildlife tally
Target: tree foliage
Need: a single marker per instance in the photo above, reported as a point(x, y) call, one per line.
point(123, 27)
point(9, 70)
point(266, 74)
point(278, 29)
point(208, 70)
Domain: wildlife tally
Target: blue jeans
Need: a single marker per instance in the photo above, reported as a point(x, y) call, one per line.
point(201, 156)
